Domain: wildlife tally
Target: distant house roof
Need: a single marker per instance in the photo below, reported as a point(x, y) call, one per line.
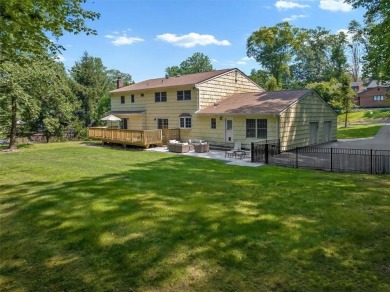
point(375, 83)
point(256, 102)
point(356, 83)
point(172, 81)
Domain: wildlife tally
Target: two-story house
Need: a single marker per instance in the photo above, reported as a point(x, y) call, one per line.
point(374, 95)
point(224, 106)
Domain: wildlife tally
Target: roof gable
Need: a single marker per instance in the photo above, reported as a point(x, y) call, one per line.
point(190, 79)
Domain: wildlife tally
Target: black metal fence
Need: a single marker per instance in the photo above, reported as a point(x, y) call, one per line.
point(329, 159)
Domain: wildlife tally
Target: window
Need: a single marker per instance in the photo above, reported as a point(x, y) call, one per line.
point(162, 123)
point(122, 99)
point(132, 98)
point(160, 97)
point(256, 128)
point(213, 123)
point(185, 122)
point(262, 128)
point(378, 97)
point(184, 95)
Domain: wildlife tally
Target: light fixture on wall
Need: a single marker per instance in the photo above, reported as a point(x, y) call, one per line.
point(220, 118)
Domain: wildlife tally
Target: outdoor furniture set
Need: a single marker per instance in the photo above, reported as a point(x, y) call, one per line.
point(237, 152)
point(184, 147)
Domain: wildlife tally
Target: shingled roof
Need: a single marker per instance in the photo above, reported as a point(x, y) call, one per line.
point(256, 102)
point(172, 81)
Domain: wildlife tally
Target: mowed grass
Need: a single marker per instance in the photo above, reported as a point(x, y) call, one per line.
point(79, 218)
point(358, 131)
point(364, 116)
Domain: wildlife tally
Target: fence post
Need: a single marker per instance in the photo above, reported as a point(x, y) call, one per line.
point(331, 159)
point(371, 161)
point(296, 157)
point(252, 152)
point(278, 146)
point(266, 153)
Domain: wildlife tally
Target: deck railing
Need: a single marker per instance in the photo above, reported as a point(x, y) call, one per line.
point(127, 137)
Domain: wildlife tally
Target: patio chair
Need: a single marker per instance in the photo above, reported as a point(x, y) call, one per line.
point(232, 152)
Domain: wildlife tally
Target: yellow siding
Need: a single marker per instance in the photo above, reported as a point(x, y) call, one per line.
point(202, 129)
point(171, 109)
point(295, 122)
point(224, 85)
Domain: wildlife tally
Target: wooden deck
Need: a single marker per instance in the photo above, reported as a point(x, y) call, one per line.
point(126, 137)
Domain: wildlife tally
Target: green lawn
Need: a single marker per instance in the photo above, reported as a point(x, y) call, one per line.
point(358, 131)
point(364, 116)
point(79, 218)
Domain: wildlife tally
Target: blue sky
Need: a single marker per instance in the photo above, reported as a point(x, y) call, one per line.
point(143, 37)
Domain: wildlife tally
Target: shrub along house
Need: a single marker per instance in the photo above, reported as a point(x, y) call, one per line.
point(223, 107)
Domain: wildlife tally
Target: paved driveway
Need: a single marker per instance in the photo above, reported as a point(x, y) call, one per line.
point(380, 142)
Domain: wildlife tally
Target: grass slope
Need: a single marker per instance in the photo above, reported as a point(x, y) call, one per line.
point(80, 218)
point(360, 131)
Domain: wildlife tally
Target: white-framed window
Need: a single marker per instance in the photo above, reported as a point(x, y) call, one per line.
point(122, 99)
point(160, 96)
point(184, 95)
point(132, 98)
point(213, 123)
point(185, 122)
point(256, 128)
point(378, 97)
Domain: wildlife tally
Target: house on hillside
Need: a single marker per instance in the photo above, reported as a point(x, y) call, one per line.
point(374, 95)
point(357, 85)
point(222, 107)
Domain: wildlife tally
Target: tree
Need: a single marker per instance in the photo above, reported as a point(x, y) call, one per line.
point(377, 19)
point(197, 63)
point(27, 30)
point(260, 77)
point(273, 48)
point(91, 84)
point(28, 27)
point(320, 56)
point(40, 94)
point(328, 90)
point(357, 46)
point(272, 84)
point(346, 96)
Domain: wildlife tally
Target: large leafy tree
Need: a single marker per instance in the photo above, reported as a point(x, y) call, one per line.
point(27, 31)
point(197, 63)
point(273, 47)
point(377, 20)
point(39, 94)
point(29, 26)
point(91, 84)
point(259, 76)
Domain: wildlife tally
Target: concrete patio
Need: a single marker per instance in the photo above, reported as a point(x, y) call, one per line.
point(212, 154)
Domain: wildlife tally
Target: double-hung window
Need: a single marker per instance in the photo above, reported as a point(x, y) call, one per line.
point(184, 95)
point(122, 99)
point(378, 97)
point(256, 128)
point(160, 96)
point(185, 122)
point(132, 98)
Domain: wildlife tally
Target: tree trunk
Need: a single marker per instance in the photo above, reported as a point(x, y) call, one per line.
point(346, 119)
point(12, 135)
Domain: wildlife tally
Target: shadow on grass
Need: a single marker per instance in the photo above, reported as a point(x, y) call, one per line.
point(175, 225)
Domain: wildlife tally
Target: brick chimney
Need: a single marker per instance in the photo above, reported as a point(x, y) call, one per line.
point(119, 82)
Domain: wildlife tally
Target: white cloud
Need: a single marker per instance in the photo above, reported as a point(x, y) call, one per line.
point(121, 40)
point(281, 5)
point(191, 40)
point(294, 17)
point(335, 5)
